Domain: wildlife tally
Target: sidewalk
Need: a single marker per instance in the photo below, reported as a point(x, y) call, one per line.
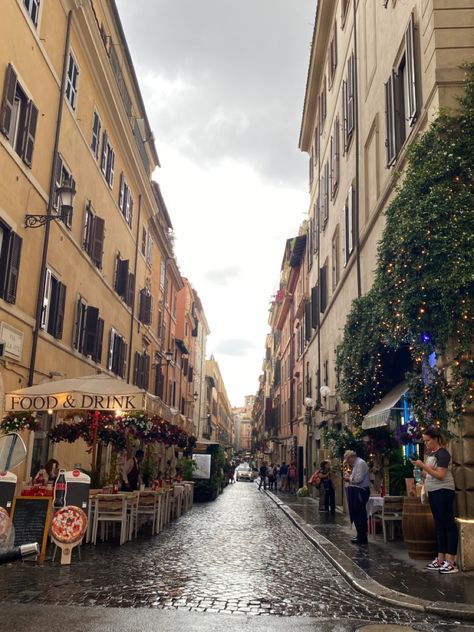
point(383, 571)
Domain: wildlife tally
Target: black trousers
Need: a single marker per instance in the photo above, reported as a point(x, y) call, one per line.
point(357, 499)
point(442, 508)
point(329, 497)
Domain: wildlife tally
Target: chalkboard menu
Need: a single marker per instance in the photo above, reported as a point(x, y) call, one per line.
point(31, 517)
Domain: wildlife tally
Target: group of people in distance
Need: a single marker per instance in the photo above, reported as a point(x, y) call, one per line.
point(279, 477)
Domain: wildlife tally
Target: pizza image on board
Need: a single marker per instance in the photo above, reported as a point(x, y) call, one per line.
point(69, 524)
point(5, 528)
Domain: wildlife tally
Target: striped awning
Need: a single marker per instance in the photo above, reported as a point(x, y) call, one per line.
point(381, 413)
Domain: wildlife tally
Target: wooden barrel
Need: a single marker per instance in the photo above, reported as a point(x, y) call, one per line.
point(419, 531)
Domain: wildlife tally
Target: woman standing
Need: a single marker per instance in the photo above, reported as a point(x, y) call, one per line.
point(327, 487)
point(439, 484)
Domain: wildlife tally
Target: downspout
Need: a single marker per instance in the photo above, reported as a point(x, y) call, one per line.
point(357, 157)
point(49, 210)
point(135, 266)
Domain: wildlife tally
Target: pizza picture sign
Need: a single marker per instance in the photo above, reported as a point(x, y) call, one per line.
point(69, 525)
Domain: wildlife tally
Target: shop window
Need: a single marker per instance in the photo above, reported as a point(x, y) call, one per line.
point(96, 127)
point(10, 252)
point(117, 355)
point(93, 236)
point(72, 80)
point(18, 117)
point(54, 299)
point(401, 98)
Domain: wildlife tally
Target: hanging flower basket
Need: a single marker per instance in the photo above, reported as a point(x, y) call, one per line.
point(16, 422)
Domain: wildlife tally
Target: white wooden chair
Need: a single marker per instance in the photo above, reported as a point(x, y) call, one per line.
point(110, 508)
point(392, 510)
point(147, 502)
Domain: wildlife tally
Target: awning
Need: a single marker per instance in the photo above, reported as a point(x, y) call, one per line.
point(380, 414)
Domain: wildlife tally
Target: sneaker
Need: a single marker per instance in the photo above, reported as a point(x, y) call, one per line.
point(435, 565)
point(449, 567)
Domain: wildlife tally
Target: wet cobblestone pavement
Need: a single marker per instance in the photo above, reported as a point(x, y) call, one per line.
point(239, 555)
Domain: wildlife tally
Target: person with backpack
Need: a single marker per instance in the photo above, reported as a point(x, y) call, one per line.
point(292, 476)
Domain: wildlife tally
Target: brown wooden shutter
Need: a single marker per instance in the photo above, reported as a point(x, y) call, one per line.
point(122, 357)
point(8, 101)
point(97, 245)
point(323, 289)
point(29, 133)
point(121, 198)
point(121, 285)
point(410, 68)
point(315, 307)
point(137, 369)
point(148, 300)
point(90, 333)
point(390, 141)
point(13, 267)
point(145, 371)
point(307, 320)
point(131, 290)
point(60, 304)
point(116, 346)
point(97, 356)
point(103, 155)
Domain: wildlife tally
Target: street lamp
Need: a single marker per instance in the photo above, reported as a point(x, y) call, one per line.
point(168, 356)
point(65, 194)
point(196, 396)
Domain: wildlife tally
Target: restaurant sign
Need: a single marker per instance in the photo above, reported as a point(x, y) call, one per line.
point(70, 401)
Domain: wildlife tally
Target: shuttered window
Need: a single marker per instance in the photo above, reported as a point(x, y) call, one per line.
point(349, 225)
point(122, 277)
point(88, 331)
point(18, 117)
point(32, 7)
point(125, 200)
point(96, 127)
point(107, 160)
point(323, 289)
point(315, 307)
point(10, 253)
point(54, 299)
point(335, 165)
point(117, 354)
point(72, 80)
point(144, 309)
point(324, 187)
point(141, 371)
point(307, 321)
point(348, 103)
point(335, 259)
point(332, 58)
point(93, 236)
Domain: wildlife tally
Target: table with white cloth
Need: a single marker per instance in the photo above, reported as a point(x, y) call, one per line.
point(374, 507)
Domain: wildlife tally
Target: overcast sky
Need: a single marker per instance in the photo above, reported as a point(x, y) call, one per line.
point(223, 83)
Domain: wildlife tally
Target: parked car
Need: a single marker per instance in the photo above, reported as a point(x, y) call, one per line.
point(243, 472)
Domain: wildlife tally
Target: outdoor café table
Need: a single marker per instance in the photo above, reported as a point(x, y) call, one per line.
point(374, 507)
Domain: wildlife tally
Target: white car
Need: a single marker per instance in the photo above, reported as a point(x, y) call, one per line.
point(244, 472)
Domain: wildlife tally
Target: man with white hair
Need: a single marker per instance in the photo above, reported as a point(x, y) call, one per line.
point(358, 493)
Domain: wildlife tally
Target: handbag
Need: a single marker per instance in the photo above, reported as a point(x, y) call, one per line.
point(315, 479)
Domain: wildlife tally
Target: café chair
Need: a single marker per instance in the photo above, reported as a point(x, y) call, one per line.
point(147, 508)
point(110, 508)
point(391, 512)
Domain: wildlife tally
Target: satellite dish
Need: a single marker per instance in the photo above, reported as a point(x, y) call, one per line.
point(325, 391)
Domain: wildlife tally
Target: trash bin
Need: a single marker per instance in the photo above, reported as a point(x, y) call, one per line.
point(466, 543)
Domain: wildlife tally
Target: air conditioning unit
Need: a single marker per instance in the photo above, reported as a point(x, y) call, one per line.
point(3, 347)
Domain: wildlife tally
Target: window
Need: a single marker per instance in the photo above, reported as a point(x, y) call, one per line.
point(107, 160)
point(162, 273)
point(116, 358)
point(334, 171)
point(323, 288)
point(63, 175)
point(124, 283)
point(144, 308)
point(95, 142)
point(32, 7)
point(332, 58)
point(336, 264)
point(10, 251)
point(125, 200)
point(307, 321)
point(72, 81)
point(348, 102)
point(93, 238)
point(144, 241)
point(344, 11)
point(322, 106)
point(18, 117)
point(141, 371)
point(315, 306)
point(149, 250)
point(349, 225)
point(88, 331)
point(325, 196)
point(401, 98)
point(54, 298)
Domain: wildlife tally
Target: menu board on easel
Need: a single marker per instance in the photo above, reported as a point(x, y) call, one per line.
point(31, 517)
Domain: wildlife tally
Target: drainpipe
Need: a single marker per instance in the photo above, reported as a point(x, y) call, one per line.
point(49, 210)
point(357, 156)
point(135, 266)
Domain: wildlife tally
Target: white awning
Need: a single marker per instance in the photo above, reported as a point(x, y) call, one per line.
point(380, 414)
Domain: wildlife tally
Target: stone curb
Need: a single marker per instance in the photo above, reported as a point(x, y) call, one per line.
point(362, 582)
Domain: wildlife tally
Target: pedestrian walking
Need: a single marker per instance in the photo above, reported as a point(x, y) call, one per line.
point(263, 476)
point(283, 477)
point(292, 475)
point(358, 492)
point(326, 489)
point(439, 484)
point(271, 476)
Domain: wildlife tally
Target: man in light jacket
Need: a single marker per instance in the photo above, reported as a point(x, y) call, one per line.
point(358, 492)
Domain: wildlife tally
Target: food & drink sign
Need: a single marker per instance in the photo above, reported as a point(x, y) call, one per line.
point(71, 401)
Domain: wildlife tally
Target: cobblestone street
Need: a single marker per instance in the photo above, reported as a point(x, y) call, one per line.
point(238, 555)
